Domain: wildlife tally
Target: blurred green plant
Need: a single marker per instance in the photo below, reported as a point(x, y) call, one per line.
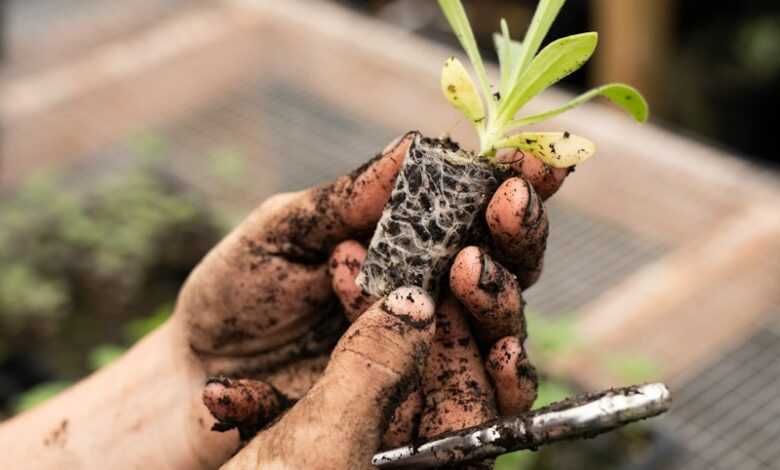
point(55, 240)
point(140, 327)
point(81, 255)
point(550, 336)
point(104, 354)
point(148, 145)
point(228, 166)
point(632, 369)
point(100, 356)
point(757, 47)
point(37, 395)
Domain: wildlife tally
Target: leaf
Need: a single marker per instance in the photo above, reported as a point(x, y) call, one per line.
point(624, 96)
point(544, 16)
point(459, 22)
point(457, 86)
point(559, 59)
point(557, 149)
point(509, 52)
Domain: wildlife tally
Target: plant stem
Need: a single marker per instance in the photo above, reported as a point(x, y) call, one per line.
point(490, 136)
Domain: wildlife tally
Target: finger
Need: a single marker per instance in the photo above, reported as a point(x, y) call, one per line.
point(545, 179)
point(518, 224)
point(403, 424)
point(345, 263)
point(456, 389)
point(243, 404)
point(490, 293)
point(371, 370)
point(513, 376)
point(308, 224)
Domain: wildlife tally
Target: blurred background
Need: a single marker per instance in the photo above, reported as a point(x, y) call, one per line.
point(134, 134)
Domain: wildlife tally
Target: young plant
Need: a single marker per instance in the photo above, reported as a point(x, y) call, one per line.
point(524, 74)
point(442, 189)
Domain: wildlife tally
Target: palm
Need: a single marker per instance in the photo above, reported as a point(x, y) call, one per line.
point(259, 315)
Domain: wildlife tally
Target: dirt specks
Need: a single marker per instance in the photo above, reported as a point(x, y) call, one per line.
point(58, 436)
point(243, 404)
point(229, 332)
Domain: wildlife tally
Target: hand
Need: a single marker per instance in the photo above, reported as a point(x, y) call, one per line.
point(338, 424)
point(260, 305)
point(478, 368)
point(458, 390)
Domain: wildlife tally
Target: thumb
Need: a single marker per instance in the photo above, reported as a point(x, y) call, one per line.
point(340, 422)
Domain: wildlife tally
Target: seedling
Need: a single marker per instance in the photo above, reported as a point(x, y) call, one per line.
point(524, 74)
point(441, 188)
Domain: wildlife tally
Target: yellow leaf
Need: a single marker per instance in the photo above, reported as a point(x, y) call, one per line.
point(460, 90)
point(557, 149)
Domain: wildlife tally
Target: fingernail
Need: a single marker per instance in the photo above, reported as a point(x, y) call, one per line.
point(493, 278)
point(392, 145)
point(221, 380)
point(411, 305)
point(526, 370)
point(534, 208)
point(487, 275)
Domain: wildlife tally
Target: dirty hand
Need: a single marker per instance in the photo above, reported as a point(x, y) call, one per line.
point(260, 306)
point(478, 368)
point(339, 423)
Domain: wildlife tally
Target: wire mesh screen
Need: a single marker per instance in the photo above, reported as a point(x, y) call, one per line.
point(585, 257)
point(728, 416)
point(254, 116)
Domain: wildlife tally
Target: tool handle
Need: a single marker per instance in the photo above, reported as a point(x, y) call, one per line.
point(579, 417)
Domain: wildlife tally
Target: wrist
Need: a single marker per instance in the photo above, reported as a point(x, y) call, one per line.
point(196, 445)
point(142, 410)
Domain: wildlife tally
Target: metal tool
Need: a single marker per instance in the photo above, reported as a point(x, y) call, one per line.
point(578, 417)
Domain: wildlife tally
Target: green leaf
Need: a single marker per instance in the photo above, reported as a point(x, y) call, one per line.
point(459, 22)
point(544, 16)
point(557, 149)
point(459, 90)
point(556, 61)
point(509, 52)
point(624, 96)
